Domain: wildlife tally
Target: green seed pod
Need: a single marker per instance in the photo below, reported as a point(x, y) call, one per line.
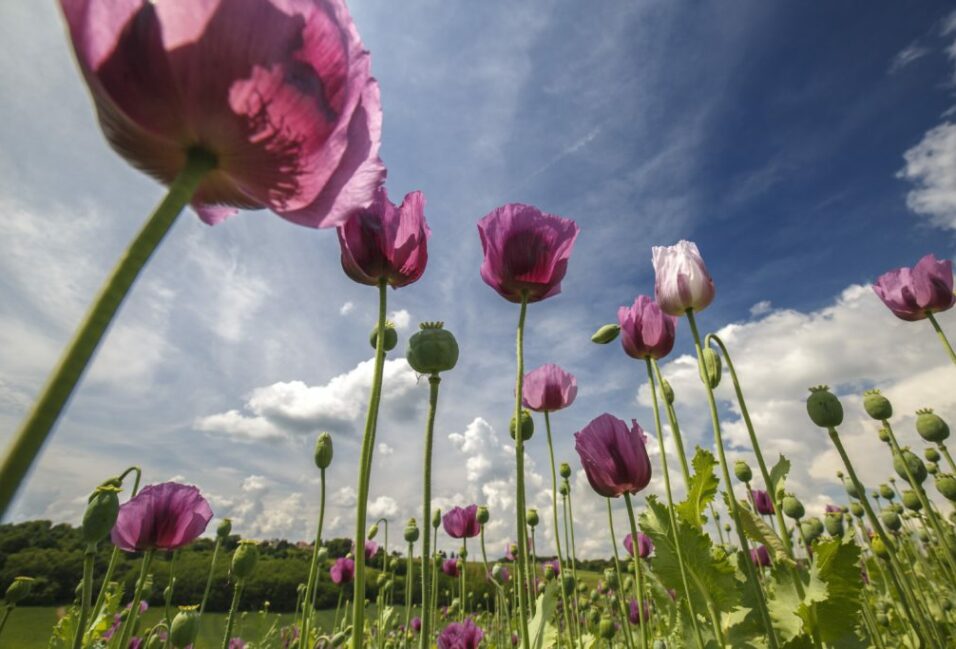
point(886, 491)
point(915, 465)
point(793, 508)
point(18, 589)
point(876, 405)
point(462, 553)
point(931, 426)
point(582, 588)
point(610, 578)
point(851, 489)
point(834, 524)
point(742, 471)
point(824, 408)
point(946, 485)
point(244, 559)
point(323, 554)
point(923, 535)
point(564, 470)
point(712, 366)
point(931, 454)
point(857, 509)
point(380, 580)
point(532, 517)
point(606, 334)
point(727, 527)
point(527, 426)
point(898, 508)
point(564, 488)
point(884, 435)
point(878, 548)
point(224, 529)
point(667, 391)
point(812, 528)
point(391, 337)
point(323, 451)
point(891, 520)
point(411, 531)
point(436, 518)
point(185, 627)
point(100, 514)
point(882, 620)
point(932, 468)
point(549, 571)
point(482, 515)
point(606, 628)
point(594, 618)
point(432, 350)
point(567, 583)
point(372, 531)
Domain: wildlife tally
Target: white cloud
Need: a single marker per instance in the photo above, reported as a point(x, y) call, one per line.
point(760, 308)
point(400, 319)
point(385, 449)
point(346, 308)
point(931, 166)
point(382, 507)
point(907, 55)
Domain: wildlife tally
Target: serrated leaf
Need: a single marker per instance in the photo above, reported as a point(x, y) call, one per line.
point(836, 565)
point(784, 604)
point(701, 490)
point(757, 530)
point(778, 475)
point(544, 610)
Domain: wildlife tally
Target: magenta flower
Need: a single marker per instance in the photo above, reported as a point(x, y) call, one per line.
point(833, 509)
point(280, 94)
point(504, 575)
point(759, 556)
point(371, 549)
point(164, 516)
point(384, 242)
point(912, 293)
point(237, 643)
point(763, 503)
point(460, 635)
point(342, 571)
point(644, 545)
point(548, 388)
point(416, 624)
point(450, 567)
point(682, 281)
point(646, 331)
point(462, 523)
point(511, 552)
point(526, 251)
point(632, 612)
point(613, 456)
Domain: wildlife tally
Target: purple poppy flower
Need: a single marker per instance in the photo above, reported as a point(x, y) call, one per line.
point(342, 571)
point(450, 567)
point(632, 613)
point(763, 503)
point(646, 331)
point(460, 635)
point(462, 523)
point(504, 575)
point(760, 556)
point(165, 516)
point(526, 251)
point(912, 293)
point(237, 643)
point(548, 388)
point(280, 94)
point(416, 624)
point(371, 549)
point(681, 278)
point(833, 509)
point(385, 242)
point(644, 545)
point(555, 566)
point(613, 456)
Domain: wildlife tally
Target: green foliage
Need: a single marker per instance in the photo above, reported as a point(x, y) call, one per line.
point(836, 569)
point(757, 530)
point(542, 632)
point(778, 474)
point(702, 488)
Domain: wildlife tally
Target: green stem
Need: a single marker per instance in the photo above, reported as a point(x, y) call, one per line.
point(409, 577)
point(628, 636)
point(716, 519)
point(34, 431)
point(942, 336)
point(170, 585)
point(86, 596)
point(212, 569)
point(675, 430)
point(522, 564)
point(464, 571)
point(3, 618)
point(365, 469)
point(130, 623)
point(498, 586)
point(433, 381)
point(638, 571)
point(554, 516)
point(949, 458)
point(230, 619)
point(311, 588)
point(732, 500)
point(566, 515)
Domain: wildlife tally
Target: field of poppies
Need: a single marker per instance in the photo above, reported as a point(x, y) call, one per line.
point(290, 121)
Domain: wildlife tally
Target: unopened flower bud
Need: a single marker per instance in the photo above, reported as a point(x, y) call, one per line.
point(628, 584)
point(932, 468)
point(610, 577)
point(432, 350)
point(850, 487)
point(876, 405)
point(380, 580)
point(372, 531)
point(100, 514)
point(886, 491)
point(564, 488)
point(156, 641)
point(834, 524)
point(812, 528)
point(323, 554)
point(567, 583)
point(898, 508)
point(323, 451)
point(224, 529)
point(391, 337)
point(931, 426)
point(532, 517)
point(931, 454)
point(607, 333)
point(911, 501)
point(742, 471)
point(18, 589)
point(884, 435)
point(436, 518)
point(891, 520)
point(411, 531)
point(244, 559)
point(185, 627)
point(667, 391)
point(906, 459)
point(793, 508)
point(482, 515)
point(946, 485)
point(824, 408)
point(857, 509)
point(878, 548)
point(606, 628)
point(565, 470)
point(710, 368)
point(527, 426)
point(548, 571)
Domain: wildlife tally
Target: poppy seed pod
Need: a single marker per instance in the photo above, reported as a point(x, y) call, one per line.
point(606, 628)
point(824, 408)
point(911, 501)
point(898, 508)
point(812, 528)
point(712, 366)
point(391, 337)
point(323, 451)
point(18, 589)
point(432, 349)
point(793, 508)
point(244, 559)
point(565, 470)
point(610, 577)
point(946, 485)
point(482, 515)
point(527, 426)
point(876, 405)
point(564, 488)
point(100, 514)
point(891, 520)
point(224, 529)
point(606, 334)
point(850, 487)
point(833, 523)
point(884, 435)
point(742, 471)
point(931, 426)
point(372, 531)
point(886, 491)
point(931, 454)
point(411, 531)
point(532, 517)
point(879, 548)
point(185, 627)
point(906, 459)
point(857, 509)
point(567, 584)
point(932, 468)
point(667, 391)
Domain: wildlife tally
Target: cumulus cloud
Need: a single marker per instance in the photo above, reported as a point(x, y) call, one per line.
point(400, 319)
point(931, 166)
point(346, 308)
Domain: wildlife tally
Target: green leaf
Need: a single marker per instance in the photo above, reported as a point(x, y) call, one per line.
point(784, 605)
point(538, 629)
point(702, 488)
point(757, 530)
point(836, 568)
point(778, 474)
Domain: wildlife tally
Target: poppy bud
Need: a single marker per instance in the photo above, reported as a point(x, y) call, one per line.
point(391, 337)
point(742, 471)
point(857, 509)
point(482, 515)
point(565, 488)
point(909, 460)
point(793, 508)
point(932, 468)
point(878, 548)
point(372, 531)
point(567, 584)
point(436, 518)
point(432, 350)
point(667, 391)
point(911, 500)
point(712, 366)
point(606, 628)
point(607, 333)
point(850, 487)
point(659, 644)
point(411, 531)
point(610, 577)
point(876, 405)
point(527, 426)
point(224, 529)
point(323, 451)
point(946, 485)
point(18, 589)
point(884, 435)
point(931, 454)
point(834, 524)
point(380, 580)
point(185, 627)
point(100, 514)
point(898, 508)
point(594, 617)
point(931, 426)
point(812, 528)
point(565, 470)
point(532, 517)
point(548, 571)
point(824, 408)
point(891, 520)
point(244, 560)
point(886, 491)
point(323, 554)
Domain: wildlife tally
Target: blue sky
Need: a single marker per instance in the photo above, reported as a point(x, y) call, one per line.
point(806, 148)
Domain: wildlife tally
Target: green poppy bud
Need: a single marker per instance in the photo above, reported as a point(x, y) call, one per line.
point(462, 554)
point(391, 337)
point(527, 426)
point(565, 470)
point(850, 487)
point(564, 488)
point(742, 471)
point(898, 508)
point(100, 514)
point(323, 554)
point(548, 571)
point(380, 580)
point(532, 517)
point(432, 350)
point(946, 485)
point(667, 391)
point(912, 462)
point(931, 454)
point(606, 628)
point(793, 508)
point(884, 435)
point(886, 491)
point(607, 333)
point(891, 520)
point(857, 509)
point(224, 529)
point(931, 426)
point(923, 535)
point(372, 531)
point(812, 528)
point(834, 524)
point(567, 583)
point(244, 559)
point(727, 527)
point(932, 468)
point(824, 408)
point(712, 366)
point(594, 616)
point(879, 548)
point(436, 518)
point(659, 644)
point(411, 531)
point(323, 451)
point(18, 589)
point(947, 605)
point(876, 405)
point(185, 627)
point(482, 515)
point(610, 577)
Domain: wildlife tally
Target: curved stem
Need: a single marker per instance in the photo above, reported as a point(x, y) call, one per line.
point(34, 431)
point(130, 622)
point(86, 595)
point(425, 636)
point(942, 336)
point(365, 469)
point(522, 564)
point(638, 571)
point(230, 619)
point(675, 429)
point(308, 606)
point(554, 518)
